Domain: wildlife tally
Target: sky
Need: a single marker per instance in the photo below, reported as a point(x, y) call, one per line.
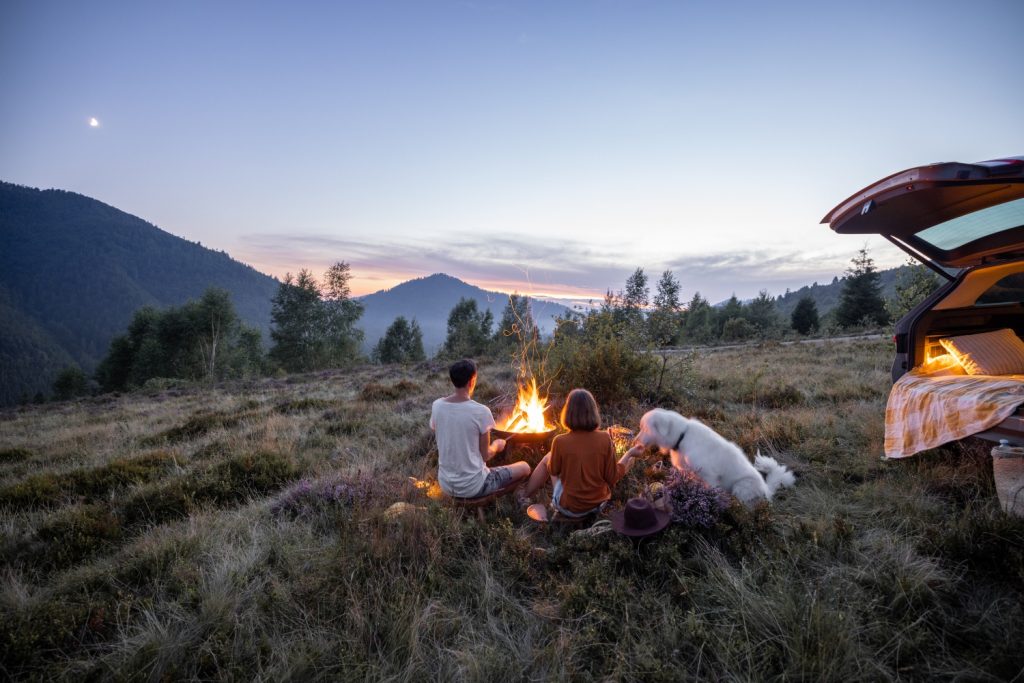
point(542, 147)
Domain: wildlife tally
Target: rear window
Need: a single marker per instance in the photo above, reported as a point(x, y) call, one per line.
point(959, 231)
point(1008, 290)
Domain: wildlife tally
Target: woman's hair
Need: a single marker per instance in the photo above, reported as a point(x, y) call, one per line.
point(580, 412)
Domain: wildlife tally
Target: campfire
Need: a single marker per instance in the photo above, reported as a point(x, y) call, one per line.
point(528, 414)
point(528, 423)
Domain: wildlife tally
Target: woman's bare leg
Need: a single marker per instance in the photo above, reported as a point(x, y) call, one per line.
point(539, 476)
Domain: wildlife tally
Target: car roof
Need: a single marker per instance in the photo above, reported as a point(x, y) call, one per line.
point(950, 214)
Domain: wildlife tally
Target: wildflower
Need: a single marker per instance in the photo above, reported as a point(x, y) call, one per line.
point(694, 503)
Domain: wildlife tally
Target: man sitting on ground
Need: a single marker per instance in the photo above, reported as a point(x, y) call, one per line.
point(463, 429)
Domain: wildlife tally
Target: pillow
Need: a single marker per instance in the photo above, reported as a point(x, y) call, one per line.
point(989, 353)
point(945, 365)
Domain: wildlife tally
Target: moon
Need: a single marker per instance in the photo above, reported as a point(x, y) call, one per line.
point(94, 122)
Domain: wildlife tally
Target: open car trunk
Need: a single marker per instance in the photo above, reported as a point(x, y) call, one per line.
point(965, 222)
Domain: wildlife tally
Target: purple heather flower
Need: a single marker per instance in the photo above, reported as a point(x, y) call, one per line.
point(694, 503)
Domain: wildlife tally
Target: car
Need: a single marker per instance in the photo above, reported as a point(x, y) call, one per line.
point(965, 221)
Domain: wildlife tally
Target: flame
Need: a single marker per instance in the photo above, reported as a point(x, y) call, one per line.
point(528, 414)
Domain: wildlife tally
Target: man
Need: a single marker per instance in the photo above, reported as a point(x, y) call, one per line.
point(463, 429)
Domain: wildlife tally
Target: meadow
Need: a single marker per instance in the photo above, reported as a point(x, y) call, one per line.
point(240, 532)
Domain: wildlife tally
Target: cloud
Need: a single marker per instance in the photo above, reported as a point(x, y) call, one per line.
point(560, 268)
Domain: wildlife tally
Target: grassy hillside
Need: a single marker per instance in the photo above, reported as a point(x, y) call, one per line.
point(165, 536)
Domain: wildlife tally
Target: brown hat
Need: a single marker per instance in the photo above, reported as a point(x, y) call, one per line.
point(639, 518)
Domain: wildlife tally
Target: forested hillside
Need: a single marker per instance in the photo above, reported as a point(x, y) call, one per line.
point(73, 270)
point(826, 297)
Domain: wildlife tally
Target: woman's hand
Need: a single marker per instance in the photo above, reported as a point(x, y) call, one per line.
point(636, 451)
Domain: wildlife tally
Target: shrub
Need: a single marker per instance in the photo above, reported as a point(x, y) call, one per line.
point(381, 392)
point(77, 534)
point(14, 455)
point(300, 405)
point(301, 498)
point(602, 356)
point(198, 425)
point(38, 490)
point(694, 503)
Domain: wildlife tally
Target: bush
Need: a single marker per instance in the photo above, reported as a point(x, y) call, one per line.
point(77, 534)
point(604, 357)
point(14, 455)
point(381, 392)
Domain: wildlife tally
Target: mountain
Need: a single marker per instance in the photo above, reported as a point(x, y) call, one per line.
point(430, 299)
point(826, 297)
point(74, 270)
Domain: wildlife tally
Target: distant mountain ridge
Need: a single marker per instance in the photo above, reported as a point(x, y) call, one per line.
point(74, 270)
point(826, 297)
point(430, 299)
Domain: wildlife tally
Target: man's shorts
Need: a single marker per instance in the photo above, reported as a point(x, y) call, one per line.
point(497, 478)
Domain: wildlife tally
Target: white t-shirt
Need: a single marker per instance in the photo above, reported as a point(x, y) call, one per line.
point(460, 468)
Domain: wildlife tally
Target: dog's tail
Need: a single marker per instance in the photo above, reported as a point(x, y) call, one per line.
point(775, 475)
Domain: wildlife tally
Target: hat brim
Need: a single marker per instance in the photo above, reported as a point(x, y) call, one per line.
point(618, 520)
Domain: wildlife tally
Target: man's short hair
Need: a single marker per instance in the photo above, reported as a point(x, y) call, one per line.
point(461, 372)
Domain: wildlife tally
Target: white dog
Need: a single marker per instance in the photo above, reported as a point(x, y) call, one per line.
point(718, 462)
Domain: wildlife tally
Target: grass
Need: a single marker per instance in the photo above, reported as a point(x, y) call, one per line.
point(240, 533)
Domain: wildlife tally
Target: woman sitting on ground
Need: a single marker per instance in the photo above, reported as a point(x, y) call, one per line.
point(581, 464)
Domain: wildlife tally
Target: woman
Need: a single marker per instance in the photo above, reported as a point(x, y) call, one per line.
point(582, 463)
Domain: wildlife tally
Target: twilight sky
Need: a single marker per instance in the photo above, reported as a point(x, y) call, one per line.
point(549, 147)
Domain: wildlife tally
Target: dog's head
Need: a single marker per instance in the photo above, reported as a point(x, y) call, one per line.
point(661, 428)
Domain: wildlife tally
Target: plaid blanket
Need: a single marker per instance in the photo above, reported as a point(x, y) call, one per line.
point(925, 411)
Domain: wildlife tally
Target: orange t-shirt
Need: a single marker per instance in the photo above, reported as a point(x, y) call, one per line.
point(585, 462)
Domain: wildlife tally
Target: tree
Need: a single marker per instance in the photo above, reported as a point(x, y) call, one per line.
point(401, 343)
point(200, 339)
point(314, 327)
point(71, 382)
point(469, 330)
point(699, 321)
point(633, 300)
point(342, 313)
point(761, 314)
point(664, 321)
point(860, 301)
point(805, 316)
point(730, 310)
point(213, 318)
point(517, 326)
point(914, 284)
point(296, 316)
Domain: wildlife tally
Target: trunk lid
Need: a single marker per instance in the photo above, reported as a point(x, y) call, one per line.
point(948, 216)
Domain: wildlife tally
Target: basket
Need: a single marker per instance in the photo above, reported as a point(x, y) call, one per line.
point(1008, 470)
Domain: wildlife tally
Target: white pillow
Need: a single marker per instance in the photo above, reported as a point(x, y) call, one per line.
point(989, 353)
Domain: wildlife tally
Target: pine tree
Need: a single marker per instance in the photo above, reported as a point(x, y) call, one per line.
point(469, 330)
point(762, 315)
point(860, 301)
point(71, 382)
point(664, 321)
point(699, 320)
point(915, 283)
point(517, 326)
point(402, 343)
point(805, 316)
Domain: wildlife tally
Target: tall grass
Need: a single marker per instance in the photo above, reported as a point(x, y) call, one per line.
point(170, 536)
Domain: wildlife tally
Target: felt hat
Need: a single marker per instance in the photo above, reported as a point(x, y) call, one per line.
point(639, 518)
